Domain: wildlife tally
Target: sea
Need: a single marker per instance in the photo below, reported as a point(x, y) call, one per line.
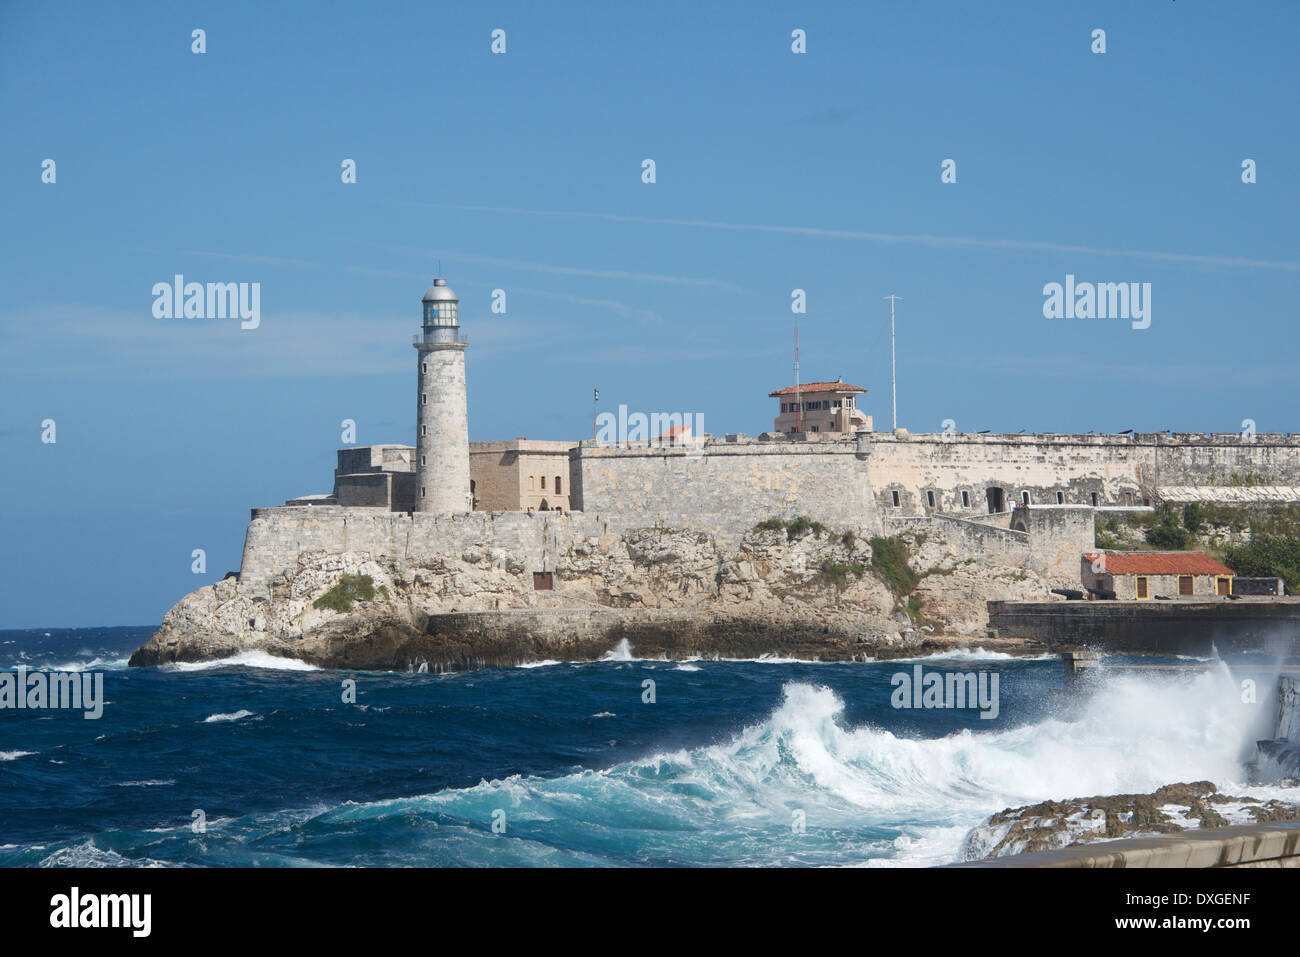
point(264, 761)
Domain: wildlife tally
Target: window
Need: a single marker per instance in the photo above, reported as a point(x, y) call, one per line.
point(424, 430)
point(1094, 499)
point(1060, 498)
point(836, 404)
point(1024, 498)
point(1184, 584)
point(965, 499)
point(814, 428)
point(929, 498)
point(423, 398)
point(896, 499)
point(1142, 587)
point(1128, 498)
point(558, 490)
point(421, 491)
point(424, 367)
point(421, 459)
point(543, 483)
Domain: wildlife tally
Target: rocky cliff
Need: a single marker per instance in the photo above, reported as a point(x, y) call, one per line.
point(794, 589)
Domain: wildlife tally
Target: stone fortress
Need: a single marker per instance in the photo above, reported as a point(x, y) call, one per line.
point(1028, 499)
point(507, 551)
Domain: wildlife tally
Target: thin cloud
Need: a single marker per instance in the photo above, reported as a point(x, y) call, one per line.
point(285, 344)
point(922, 239)
point(623, 310)
point(578, 270)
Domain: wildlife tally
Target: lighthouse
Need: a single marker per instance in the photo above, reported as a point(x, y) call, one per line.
point(442, 417)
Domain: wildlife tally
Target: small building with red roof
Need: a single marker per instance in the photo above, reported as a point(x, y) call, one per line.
point(820, 407)
point(1144, 575)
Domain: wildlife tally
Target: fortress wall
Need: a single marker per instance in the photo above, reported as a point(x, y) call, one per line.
point(277, 536)
point(1075, 465)
point(1058, 535)
point(948, 466)
point(976, 540)
point(727, 488)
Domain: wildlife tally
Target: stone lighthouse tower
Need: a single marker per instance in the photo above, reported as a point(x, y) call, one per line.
point(442, 419)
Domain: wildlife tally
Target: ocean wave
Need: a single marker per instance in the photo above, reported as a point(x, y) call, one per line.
point(231, 716)
point(161, 783)
point(88, 854)
point(739, 802)
point(14, 755)
point(94, 663)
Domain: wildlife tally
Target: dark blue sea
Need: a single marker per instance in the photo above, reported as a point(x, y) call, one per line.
point(259, 761)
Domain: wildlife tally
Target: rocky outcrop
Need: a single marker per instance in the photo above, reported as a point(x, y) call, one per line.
point(803, 591)
point(1176, 807)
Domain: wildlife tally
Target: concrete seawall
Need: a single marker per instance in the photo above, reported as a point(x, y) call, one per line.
point(1245, 845)
point(1153, 627)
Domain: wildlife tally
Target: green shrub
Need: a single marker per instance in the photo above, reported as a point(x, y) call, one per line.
point(349, 589)
point(889, 560)
point(1168, 532)
point(1268, 557)
point(793, 528)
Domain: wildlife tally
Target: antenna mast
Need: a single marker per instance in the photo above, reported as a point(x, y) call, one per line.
point(893, 380)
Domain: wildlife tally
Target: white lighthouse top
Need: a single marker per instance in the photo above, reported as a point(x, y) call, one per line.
point(440, 292)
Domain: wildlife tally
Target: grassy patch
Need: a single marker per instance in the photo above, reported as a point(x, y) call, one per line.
point(348, 590)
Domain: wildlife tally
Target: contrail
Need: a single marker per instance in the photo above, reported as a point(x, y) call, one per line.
point(913, 238)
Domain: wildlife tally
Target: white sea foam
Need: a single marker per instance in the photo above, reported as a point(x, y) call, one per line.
point(977, 654)
point(231, 716)
point(620, 652)
point(14, 755)
point(255, 658)
point(87, 854)
point(158, 783)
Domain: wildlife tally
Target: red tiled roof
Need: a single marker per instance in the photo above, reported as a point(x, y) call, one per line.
point(1162, 563)
point(818, 387)
point(675, 431)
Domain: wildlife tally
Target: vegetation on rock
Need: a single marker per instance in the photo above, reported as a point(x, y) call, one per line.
point(348, 590)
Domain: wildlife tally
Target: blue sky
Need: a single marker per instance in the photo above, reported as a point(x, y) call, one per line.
point(522, 171)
